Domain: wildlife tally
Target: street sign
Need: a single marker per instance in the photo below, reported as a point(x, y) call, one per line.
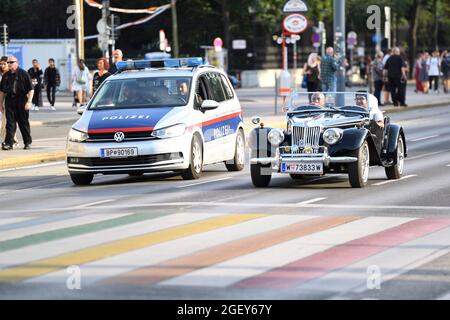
point(295, 6)
point(376, 38)
point(295, 23)
point(351, 39)
point(239, 44)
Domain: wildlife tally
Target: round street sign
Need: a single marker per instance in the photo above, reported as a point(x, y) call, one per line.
point(295, 23)
point(316, 38)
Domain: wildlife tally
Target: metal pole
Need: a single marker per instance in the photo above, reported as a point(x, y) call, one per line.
point(5, 40)
point(339, 43)
point(283, 53)
point(113, 35)
point(176, 49)
point(276, 93)
point(105, 14)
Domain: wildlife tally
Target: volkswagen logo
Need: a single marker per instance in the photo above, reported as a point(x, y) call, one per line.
point(119, 136)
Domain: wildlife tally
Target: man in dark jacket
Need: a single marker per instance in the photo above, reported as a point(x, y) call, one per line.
point(52, 80)
point(395, 71)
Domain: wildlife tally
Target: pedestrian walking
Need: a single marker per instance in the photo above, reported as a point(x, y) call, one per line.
point(117, 56)
point(377, 74)
point(16, 94)
point(423, 74)
point(445, 68)
point(312, 70)
point(36, 75)
point(80, 82)
point(52, 80)
point(386, 89)
point(101, 74)
point(395, 71)
point(417, 69)
point(328, 68)
point(3, 69)
point(434, 70)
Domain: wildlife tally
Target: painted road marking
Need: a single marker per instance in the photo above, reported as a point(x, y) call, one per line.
point(312, 200)
point(250, 265)
point(154, 223)
point(203, 182)
point(44, 266)
point(127, 263)
point(71, 222)
point(8, 192)
point(426, 155)
point(233, 205)
point(425, 138)
point(390, 181)
point(339, 256)
point(96, 203)
point(13, 220)
point(50, 164)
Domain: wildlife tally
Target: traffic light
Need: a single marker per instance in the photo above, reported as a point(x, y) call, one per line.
point(4, 38)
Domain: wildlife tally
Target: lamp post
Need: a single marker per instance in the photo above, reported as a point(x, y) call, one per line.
point(339, 43)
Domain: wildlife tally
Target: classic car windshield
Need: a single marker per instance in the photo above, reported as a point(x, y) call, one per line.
point(143, 92)
point(318, 101)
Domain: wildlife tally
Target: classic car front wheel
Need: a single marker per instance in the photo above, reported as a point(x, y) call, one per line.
point(396, 171)
point(260, 178)
point(358, 171)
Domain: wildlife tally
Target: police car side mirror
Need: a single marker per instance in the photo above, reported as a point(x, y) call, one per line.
point(81, 109)
point(209, 105)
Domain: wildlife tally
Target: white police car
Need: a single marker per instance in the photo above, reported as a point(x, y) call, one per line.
point(158, 115)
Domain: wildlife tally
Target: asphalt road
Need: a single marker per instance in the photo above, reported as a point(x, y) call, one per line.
point(159, 237)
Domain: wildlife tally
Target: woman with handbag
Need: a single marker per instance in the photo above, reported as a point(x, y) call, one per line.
point(312, 71)
point(80, 81)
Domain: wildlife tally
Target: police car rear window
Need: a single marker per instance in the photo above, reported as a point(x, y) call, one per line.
point(143, 92)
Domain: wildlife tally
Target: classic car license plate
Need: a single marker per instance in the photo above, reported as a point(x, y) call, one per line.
point(119, 152)
point(302, 167)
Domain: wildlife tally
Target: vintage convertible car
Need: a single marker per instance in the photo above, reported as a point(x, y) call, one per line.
point(335, 133)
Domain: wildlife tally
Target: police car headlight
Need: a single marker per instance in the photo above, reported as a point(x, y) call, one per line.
point(170, 132)
point(275, 136)
point(332, 136)
point(77, 136)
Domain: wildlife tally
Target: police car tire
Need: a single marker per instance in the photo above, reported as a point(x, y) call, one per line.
point(259, 180)
point(234, 165)
point(356, 170)
point(82, 179)
point(190, 173)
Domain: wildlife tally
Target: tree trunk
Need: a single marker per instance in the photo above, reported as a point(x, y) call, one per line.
point(414, 22)
point(226, 23)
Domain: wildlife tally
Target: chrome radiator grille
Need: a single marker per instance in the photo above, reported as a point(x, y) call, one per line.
point(306, 137)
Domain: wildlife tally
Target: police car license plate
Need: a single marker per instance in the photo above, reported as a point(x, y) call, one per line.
point(302, 167)
point(119, 152)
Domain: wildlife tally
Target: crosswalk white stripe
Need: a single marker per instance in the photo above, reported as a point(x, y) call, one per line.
point(12, 220)
point(72, 222)
point(392, 263)
point(129, 261)
point(58, 247)
point(235, 270)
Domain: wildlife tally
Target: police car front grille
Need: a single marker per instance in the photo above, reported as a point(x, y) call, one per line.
point(104, 137)
point(139, 160)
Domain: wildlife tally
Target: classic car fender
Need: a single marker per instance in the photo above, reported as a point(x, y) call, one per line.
point(259, 144)
point(351, 140)
point(394, 131)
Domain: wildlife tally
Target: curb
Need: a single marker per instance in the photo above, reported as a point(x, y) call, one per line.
point(32, 159)
point(53, 122)
point(416, 106)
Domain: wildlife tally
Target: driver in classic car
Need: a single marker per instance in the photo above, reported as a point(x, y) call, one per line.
point(375, 113)
point(318, 100)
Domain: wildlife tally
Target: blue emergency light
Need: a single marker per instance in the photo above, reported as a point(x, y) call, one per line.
point(159, 63)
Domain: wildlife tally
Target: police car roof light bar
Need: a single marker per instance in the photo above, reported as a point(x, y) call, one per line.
point(159, 63)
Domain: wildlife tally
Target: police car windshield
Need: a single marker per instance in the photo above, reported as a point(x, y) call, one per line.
point(143, 92)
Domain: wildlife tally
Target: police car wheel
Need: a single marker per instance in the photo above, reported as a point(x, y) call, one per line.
point(82, 179)
point(238, 162)
point(194, 171)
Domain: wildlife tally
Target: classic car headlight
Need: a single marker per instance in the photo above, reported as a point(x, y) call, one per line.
point(275, 136)
point(332, 136)
point(77, 136)
point(170, 132)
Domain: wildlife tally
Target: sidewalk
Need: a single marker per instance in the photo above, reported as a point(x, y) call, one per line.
point(52, 149)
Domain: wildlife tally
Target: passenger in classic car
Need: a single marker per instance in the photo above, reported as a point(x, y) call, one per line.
point(318, 100)
point(375, 113)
